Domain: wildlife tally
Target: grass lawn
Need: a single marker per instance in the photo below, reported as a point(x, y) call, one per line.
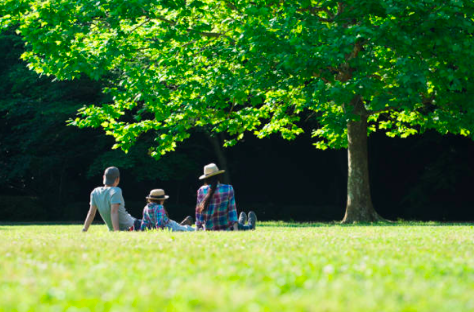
point(279, 267)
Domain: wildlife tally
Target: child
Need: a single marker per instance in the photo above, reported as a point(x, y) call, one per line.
point(155, 215)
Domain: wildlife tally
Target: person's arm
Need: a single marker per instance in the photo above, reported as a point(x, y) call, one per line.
point(200, 197)
point(232, 210)
point(114, 216)
point(161, 218)
point(90, 217)
point(146, 223)
point(116, 199)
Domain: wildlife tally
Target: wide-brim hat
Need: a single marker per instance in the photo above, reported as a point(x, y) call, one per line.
point(157, 194)
point(210, 170)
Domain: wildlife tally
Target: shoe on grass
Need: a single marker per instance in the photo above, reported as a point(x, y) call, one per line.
point(243, 218)
point(252, 220)
point(187, 221)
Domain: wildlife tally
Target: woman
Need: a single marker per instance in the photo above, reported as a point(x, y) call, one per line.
point(215, 208)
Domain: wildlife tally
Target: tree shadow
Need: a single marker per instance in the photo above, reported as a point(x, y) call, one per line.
point(41, 223)
point(278, 224)
point(294, 224)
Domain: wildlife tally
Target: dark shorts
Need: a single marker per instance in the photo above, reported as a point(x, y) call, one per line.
point(137, 224)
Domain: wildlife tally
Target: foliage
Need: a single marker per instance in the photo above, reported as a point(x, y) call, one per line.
point(172, 67)
point(445, 173)
point(21, 208)
point(237, 66)
point(41, 157)
point(37, 149)
point(404, 267)
point(175, 166)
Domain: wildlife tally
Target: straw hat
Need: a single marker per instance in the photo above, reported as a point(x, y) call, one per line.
point(157, 194)
point(210, 170)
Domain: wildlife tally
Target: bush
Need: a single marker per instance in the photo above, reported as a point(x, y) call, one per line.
point(22, 208)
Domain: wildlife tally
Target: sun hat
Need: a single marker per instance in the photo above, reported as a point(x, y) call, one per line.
point(157, 194)
point(110, 175)
point(210, 170)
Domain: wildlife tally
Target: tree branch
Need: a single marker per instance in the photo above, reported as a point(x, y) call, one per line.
point(340, 8)
point(316, 10)
point(425, 101)
point(204, 34)
point(318, 74)
point(165, 20)
point(231, 5)
point(140, 25)
point(355, 51)
point(383, 110)
point(375, 76)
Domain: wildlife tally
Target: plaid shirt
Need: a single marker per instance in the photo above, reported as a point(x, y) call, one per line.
point(154, 217)
point(221, 214)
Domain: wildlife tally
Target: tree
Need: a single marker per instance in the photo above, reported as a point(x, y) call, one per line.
point(260, 67)
point(36, 147)
point(41, 158)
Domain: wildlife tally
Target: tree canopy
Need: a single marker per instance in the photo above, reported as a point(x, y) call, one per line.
point(258, 66)
point(43, 160)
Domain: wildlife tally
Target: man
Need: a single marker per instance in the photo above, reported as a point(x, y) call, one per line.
point(109, 201)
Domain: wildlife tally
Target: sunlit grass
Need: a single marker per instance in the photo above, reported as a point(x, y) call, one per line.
point(280, 266)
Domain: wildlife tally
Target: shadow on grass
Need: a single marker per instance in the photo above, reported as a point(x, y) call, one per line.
point(45, 223)
point(377, 224)
point(283, 224)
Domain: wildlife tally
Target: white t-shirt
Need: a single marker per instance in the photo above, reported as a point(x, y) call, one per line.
point(103, 197)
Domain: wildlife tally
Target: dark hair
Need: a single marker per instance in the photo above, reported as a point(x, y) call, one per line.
point(158, 201)
point(212, 181)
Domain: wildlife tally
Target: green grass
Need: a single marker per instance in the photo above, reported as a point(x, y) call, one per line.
point(279, 267)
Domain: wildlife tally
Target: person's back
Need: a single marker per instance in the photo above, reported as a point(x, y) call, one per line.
point(155, 215)
point(221, 213)
point(109, 201)
point(103, 197)
point(215, 208)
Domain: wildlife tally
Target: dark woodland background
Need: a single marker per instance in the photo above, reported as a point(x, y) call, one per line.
point(47, 169)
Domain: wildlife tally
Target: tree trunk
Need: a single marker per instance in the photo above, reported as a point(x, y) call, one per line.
point(221, 158)
point(359, 202)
